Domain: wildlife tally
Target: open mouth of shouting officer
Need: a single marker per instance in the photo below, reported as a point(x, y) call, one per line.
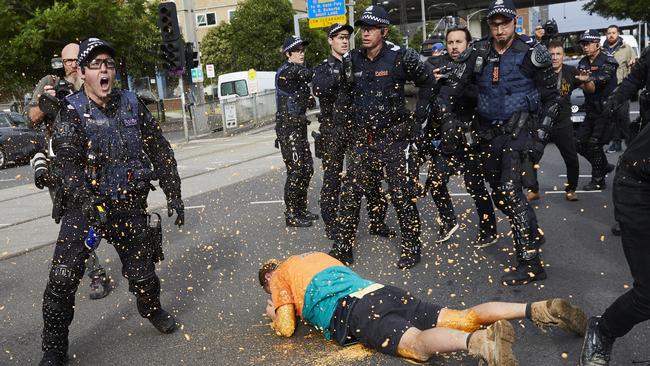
point(98, 70)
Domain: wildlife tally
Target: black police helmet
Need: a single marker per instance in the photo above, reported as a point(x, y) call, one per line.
point(505, 8)
point(374, 16)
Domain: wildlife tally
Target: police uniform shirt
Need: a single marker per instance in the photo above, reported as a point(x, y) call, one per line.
point(325, 84)
point(603, 71)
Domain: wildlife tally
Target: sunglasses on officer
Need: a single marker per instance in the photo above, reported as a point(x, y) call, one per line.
point(96, 64)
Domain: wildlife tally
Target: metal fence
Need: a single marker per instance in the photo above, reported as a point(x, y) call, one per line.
point(243, 113)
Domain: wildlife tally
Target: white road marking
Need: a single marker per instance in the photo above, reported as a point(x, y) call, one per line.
point(193, 207)
point(458, 194)
point(562, 192)
point(8, 180)
point(581, 175)
point(265, 202)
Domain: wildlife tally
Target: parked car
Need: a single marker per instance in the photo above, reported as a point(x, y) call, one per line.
point(18, 143)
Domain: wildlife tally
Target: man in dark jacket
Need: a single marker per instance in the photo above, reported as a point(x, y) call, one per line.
point(632, 211)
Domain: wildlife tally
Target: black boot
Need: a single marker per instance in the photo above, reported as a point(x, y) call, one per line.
point(308, 215)
point(343, 253)
point(99, 286)
point(596, 184)
point(446, 230)
point(597, 347)
point(382, 230)
point(410, 255)
point(295, 220)
point(485, 239)
point(163, 321)
point(51, 358)
point(525, 272)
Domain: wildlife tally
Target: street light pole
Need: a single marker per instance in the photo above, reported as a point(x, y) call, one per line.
point(424, 22)
point(351, 4)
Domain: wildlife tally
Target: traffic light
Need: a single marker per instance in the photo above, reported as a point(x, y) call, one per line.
point(191, 56)
point(173, 52)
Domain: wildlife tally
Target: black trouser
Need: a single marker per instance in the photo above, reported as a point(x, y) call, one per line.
point(401, 175)
point(333, 159)
point(593, 151)
point(442, 167)
point(300, 166)
point(70, 255)
point(632, 208)
point(622, 125)
point(502, 158)
point(564, 139)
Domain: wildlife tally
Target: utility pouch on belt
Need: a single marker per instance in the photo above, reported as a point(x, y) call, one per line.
point(318, 144)
point(517, 123)
point(154, 232)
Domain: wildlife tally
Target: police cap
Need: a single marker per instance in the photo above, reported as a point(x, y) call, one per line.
point(337, 27)
point(90, 47)
point(590, 35)
point(374, 16)
point(505, 8)
point(292, 43)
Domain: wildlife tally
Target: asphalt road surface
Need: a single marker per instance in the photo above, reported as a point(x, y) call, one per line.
point(210, 281)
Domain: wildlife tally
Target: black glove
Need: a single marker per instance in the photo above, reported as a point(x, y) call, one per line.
point(611, 105)
point(177, 205)
point(536, 151)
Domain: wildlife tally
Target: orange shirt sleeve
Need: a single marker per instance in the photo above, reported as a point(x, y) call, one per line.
point(280, 288)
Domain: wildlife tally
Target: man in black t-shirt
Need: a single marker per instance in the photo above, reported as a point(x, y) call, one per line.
point(569, 79)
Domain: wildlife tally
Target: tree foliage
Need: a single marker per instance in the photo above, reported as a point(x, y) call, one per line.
point(38, 30)
point(638, 10)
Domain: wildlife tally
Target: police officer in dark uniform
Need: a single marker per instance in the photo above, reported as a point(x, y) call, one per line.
point(109, 148)
point(597, 128)
point(293, 98)
point(631, 197)
point(42, 111)
point(515, 83)
point(456, 148)
point(332, 142)
point(384, 132)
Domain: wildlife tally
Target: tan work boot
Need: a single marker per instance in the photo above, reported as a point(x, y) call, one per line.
point(571, 196)
point(494, 344)
point(559, 313)
point(532, 196)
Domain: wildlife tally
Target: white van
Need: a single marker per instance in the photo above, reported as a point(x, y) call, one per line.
point(628, 39)
point(238, 83)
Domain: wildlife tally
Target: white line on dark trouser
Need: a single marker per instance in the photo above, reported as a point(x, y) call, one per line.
point(192, 207)
point(458, 194)
point(265, 202)
point(562, 192)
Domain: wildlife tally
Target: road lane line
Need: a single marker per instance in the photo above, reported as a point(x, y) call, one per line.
point(558, 192)
point(265, 202)
point(192, 207)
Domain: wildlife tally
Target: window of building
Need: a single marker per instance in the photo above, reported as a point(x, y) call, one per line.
point(206, 19)
point(230, 13)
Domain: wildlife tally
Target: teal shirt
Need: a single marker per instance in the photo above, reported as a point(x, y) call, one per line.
point(324, 292)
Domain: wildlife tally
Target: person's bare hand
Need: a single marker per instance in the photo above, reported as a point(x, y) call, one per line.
point(632, 62)
point(270, 309)
point(49, 89)
point(584, 75)
point(437, 74)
